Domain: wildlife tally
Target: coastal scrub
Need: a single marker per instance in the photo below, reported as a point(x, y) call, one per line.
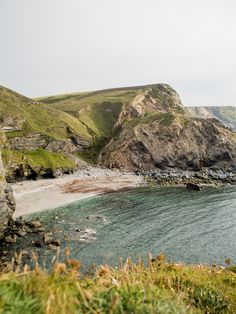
point(159, 287)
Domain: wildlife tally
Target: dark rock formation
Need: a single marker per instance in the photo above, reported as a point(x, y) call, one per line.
point(163, 136)
point(7, 202)
point(193, 186)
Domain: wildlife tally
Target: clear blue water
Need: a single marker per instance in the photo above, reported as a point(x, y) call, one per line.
point(189, 226)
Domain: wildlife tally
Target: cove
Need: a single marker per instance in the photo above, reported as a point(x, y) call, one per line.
point(188, 226)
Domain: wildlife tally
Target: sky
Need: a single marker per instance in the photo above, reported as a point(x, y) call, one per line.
point(54, 46)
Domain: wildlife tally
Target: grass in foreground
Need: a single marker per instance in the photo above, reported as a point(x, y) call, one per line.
point(159, 287)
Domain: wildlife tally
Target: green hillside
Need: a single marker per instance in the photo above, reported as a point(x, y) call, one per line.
point(32, 116)
point(34, 126)
point(97, 110)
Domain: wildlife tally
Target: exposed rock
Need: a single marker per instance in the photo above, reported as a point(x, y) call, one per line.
point(19, 222)
point(21, 232)
point(193, 186)
point(19, 172)
point(7, 201)
point(53, 247)
point(49, 239)
point(38, 243)
point(28, 142)
point(166, 137)
point(11, 239)
point(34, 224)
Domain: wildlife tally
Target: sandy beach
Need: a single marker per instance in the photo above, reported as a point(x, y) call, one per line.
point(35, 196)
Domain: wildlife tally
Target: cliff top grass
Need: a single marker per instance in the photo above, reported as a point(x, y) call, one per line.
point(31, 116)
point(99, 110)
point(160, 287)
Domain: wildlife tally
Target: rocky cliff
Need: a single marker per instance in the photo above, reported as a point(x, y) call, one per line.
point(155, 132)
point(7, 202)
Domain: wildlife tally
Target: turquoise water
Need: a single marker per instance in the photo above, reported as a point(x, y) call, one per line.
point(189, 226)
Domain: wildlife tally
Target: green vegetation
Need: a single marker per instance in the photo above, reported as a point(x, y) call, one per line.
point(163, 118)
point(36, 158)
point(160, 287)
point(98, 111)
point(90, 154)
point(31, 116)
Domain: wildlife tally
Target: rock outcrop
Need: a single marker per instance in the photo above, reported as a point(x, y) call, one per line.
point(164, 136)
point(7, 202)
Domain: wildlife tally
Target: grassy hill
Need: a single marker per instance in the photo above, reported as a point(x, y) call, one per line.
point(100, 111)
point(97, 110)
point(87, 120)
point(35, 125)
point(31, 116)
point(160, 287)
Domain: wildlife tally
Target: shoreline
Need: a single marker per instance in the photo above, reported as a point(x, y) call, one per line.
point(46, 194)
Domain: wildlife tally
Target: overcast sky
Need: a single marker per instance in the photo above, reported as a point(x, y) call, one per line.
point(55, 46)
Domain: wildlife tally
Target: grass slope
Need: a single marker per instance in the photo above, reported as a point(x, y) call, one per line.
point(36, 158)
point(37, 117)
point(160, 287)
point(29, 116)
point(97, 110)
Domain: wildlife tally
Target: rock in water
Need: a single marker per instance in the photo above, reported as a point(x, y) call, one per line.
point(48, 239)
point(193, 186)
point(7, 201)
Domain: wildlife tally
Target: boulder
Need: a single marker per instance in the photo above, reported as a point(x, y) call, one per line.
point(49, 239)
point(193, 186)
point(11, 239)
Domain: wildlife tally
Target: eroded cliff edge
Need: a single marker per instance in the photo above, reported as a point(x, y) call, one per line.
point(7, 201)
point(155, 132)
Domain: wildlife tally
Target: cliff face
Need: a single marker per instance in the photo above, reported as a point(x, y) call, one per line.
point(157, 133)
point(7, 202)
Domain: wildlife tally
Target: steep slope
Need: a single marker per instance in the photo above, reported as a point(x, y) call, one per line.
point(99, 111)
point(147, 127)
point(7, 202)
point(225, 114)
point(33, 130)
point(155, 132)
